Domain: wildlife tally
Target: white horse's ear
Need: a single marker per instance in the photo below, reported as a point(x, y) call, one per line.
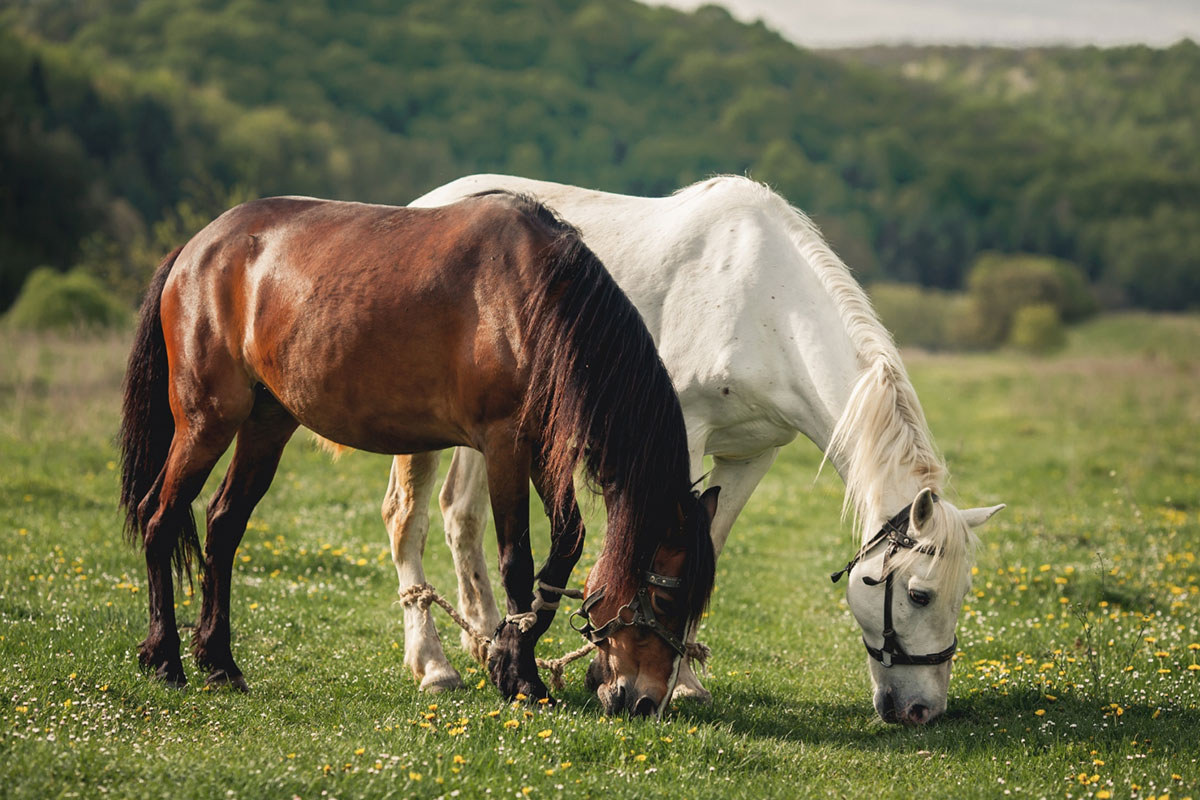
point(922, 510)
point(974, 517)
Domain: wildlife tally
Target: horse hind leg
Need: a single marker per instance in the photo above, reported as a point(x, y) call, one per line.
point(464, 504)
point(260, 443)
point(406, 515)
point(166, 513)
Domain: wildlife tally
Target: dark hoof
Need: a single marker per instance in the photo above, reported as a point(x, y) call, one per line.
point(163, 668)
point(220, 679)
point(513, 668)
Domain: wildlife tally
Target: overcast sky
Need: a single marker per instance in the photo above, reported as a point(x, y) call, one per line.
point(833, 23)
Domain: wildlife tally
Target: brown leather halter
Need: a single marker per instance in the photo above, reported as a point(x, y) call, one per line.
point(637, 612)
point(895, 533)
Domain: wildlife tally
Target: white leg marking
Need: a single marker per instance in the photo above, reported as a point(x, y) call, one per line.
point(406, 515)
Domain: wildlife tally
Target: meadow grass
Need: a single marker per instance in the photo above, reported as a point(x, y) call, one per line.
point(1077, 674)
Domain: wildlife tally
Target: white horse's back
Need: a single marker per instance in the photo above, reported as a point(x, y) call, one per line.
point(754, 343)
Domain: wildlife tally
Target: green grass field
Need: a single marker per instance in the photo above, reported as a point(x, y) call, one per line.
point(1077, 675)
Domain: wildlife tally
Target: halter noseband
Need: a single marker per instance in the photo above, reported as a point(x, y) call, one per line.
point(637, 611)
point(895, 533)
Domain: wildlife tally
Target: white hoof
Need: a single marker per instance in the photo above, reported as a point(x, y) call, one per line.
point(697, 693)
point(438, 681)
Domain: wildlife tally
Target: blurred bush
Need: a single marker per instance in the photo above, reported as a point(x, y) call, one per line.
point(1000, 285)
point(927, 318)
point(1038, 329)
point(75, 301)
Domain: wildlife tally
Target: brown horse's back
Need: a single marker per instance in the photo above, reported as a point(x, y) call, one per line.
point(418, 322)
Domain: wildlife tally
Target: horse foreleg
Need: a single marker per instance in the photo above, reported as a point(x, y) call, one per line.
point(738, 478)
point(511, 661)
point(464, 502)
point(406, 514)
point(260, 443)
point(566, 546)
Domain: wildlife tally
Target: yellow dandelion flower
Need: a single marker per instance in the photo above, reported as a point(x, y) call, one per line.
point(1103, 794)
point(482, 683)
point(359, 751)
point(546, 734)
point(494, 712)
point(1041, 712)
point(640, 757)
point(521, 696)
point(564, 765)
point(459, 759)
point(511, 723)
point(414, 776)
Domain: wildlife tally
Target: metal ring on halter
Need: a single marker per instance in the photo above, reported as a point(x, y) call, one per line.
point(895, 533)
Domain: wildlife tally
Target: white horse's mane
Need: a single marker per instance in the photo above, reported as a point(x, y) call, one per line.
point(882, 430)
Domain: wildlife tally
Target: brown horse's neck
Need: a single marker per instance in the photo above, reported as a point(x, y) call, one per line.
point(601, 388)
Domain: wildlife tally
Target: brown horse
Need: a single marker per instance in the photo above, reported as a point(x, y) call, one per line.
point(487, 323)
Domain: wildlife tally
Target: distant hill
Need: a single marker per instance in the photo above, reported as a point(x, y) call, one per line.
point(124, 123)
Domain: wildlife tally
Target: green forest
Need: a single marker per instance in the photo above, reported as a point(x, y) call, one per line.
point(126, 124)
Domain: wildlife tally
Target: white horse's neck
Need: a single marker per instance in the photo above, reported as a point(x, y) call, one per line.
point(879, 441)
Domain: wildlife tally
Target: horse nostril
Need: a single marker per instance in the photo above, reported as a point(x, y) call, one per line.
point(918, 714)
point(595, 675)
point(888, 712)
point(645, 707)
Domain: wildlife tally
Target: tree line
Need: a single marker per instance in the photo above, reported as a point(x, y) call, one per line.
point(125, 124)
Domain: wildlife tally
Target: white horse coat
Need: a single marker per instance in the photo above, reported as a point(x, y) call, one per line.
point(765, 334)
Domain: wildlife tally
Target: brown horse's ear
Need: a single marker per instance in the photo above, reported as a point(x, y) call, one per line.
point(709, 501)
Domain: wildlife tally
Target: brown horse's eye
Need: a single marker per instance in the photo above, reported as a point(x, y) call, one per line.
point(918, 598)
point(663, 604)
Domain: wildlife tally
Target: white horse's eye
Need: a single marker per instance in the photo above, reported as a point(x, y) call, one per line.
point(919, 598)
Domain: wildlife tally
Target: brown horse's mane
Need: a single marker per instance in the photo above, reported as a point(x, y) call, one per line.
point(600, 394)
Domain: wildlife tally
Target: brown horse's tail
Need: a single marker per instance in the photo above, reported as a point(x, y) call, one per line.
point(147, 426)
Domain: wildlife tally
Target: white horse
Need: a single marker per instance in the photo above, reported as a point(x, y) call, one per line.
point(765, 334)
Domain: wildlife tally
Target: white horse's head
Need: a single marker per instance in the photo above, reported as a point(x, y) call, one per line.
point(914, 575)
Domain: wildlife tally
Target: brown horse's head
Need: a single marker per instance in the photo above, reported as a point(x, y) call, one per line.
point(640, 618)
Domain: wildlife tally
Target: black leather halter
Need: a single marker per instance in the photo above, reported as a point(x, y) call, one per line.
point(895, 533)
point(637, 611)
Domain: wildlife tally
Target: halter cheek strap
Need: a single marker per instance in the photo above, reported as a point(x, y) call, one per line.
point(895, 533)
